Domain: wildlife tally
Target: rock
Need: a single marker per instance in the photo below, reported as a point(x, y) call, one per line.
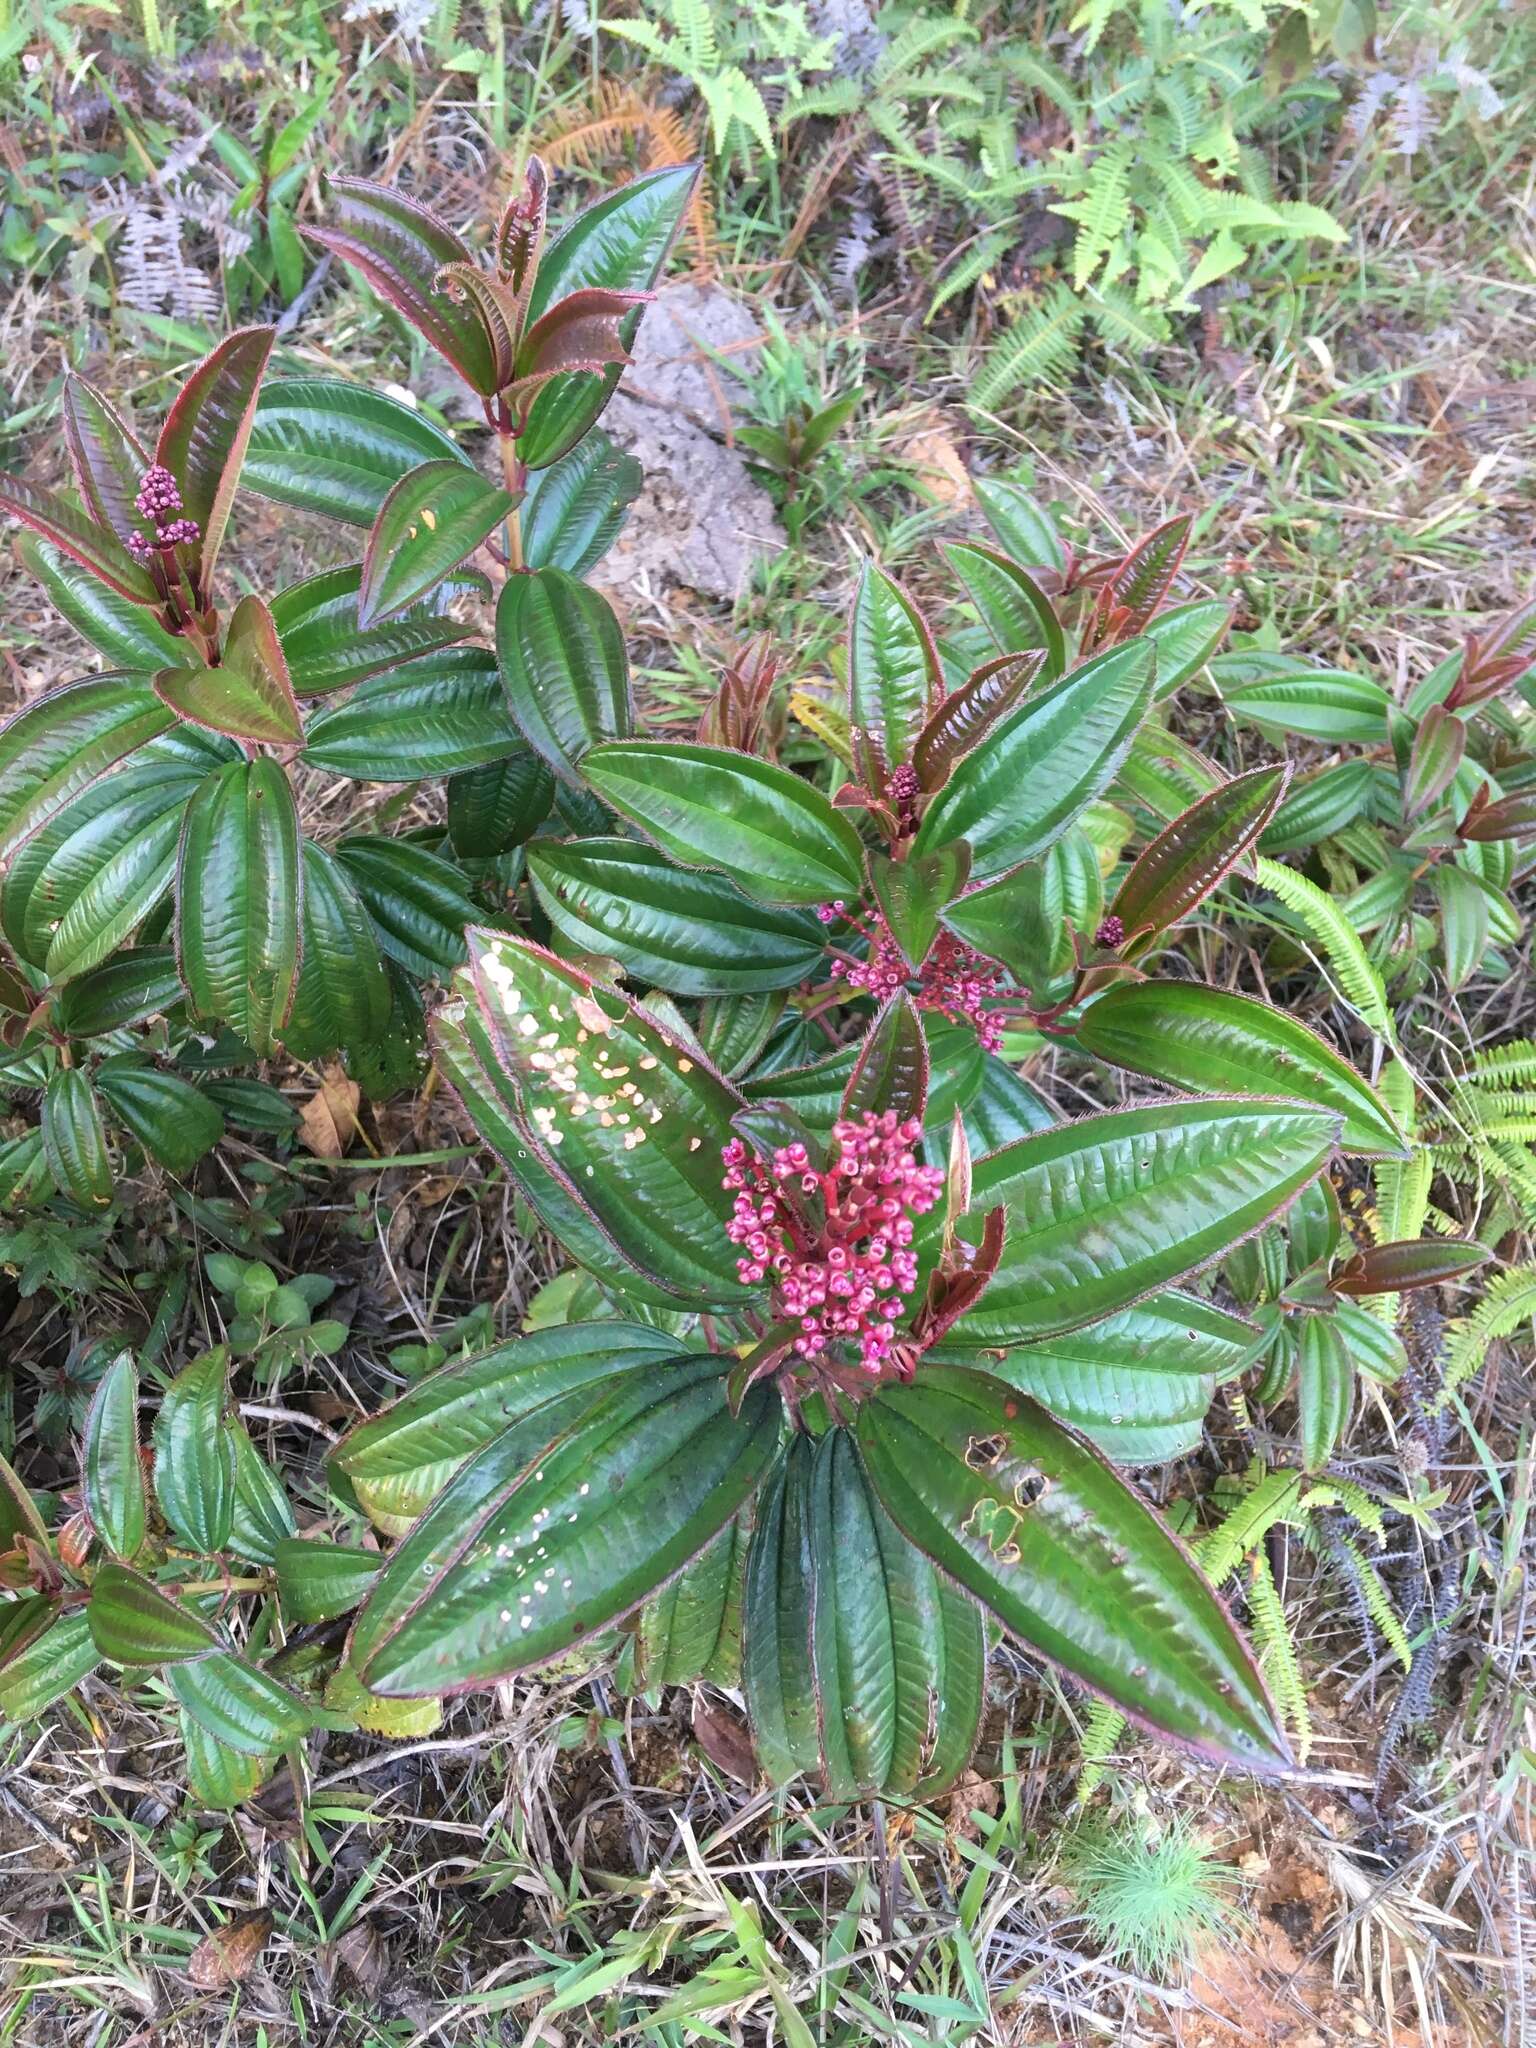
point(700, 522)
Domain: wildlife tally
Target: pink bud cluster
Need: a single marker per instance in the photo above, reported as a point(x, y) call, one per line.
point(1110, 934)
point(837, 1243)
point(159, 497)
point(958, 982)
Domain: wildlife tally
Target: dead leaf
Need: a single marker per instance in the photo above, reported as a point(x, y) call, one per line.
point(940, 465)
point(362, 1954)
point(328, 1121)
point(227, 1953)
point(725, 1741)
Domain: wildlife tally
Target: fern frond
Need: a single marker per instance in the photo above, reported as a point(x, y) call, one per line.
point(1509, 1302)
point(1276, 1498)
point(1377, 1600)
point(1277, 1652)
point(1511, 1065)
point(972, 267)
point(1039, 348)
point(1103, 212)
point(1101, 1738)
point(1319, 916)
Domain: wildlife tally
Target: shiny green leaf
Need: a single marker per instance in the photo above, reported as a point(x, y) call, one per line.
point(239, 1705)
point(419, 902)
point(343, 993)
point(174, 1122)
point(74, 1141)
point(894, 677)
point(563, 666)
point(432, 519)
point(337, 449)
point(436, 715)
point(134, 1624)
point(195, 1454)
point(327, 650)
point(238, 900)
point(60, 744)
point(573, 511)
point(248, 696)
point(112, 1476)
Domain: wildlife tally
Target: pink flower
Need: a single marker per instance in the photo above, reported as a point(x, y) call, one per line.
point(1110, 934)
point(958, 982)
point(159, 497)
point(836, 1244)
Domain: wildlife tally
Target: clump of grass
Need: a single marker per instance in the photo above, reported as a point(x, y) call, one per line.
point(1148, 1896)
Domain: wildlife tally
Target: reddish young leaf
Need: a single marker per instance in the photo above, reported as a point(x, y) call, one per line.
point(248, 696)
point(71, 531)
point(1438, 747)
point(1509, 817)
point(582, 332)
point(1144, 578)
point(1186, 860)
point(1413, 1262)
point(400, 247)
point(203, 440)
point(107, 457)
point(968, 714)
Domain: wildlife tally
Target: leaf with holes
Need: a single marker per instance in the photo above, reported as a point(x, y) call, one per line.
point(432, 519)
point(1035, 1525)
point(545, 1537)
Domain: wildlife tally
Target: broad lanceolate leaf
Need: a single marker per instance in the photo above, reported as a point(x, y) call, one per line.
point(400, 246)
point(689, 932)
point(545, 1537)
point(76, 534)
point(337, 449)
point(1325, 1388)
point(1410, 1262)
point(195, 1454)
point(1026, 530)
point(1015, 612)
point(239, 1704)
point(1020, 790)
point(318, 1581)
point(966, 716)
point(912, 894)
point(138, 984)
point(419, 902)
point(1107, 1210)
point(895, 679)
point(97, 869)
point(48, 1668)
point(773, 833)
point(777, 1677)
point(1187, 860)
point(239, 889)
point(437, 715)
point(134, 1623)
point(1137, 1384)
point(74, 1142)
point(67, 740)
point(432, 519)
point(326, 649)
point(204, 438)
point(1438, 747)
point(19, 1518)
point(574, 511)
point(1319, 804)
point(1146, 575)
point(625, 1119)
point(128, 634)
point(219, 1778)
point(397, 1462)
point(1210, 1040)
point(619, 243)
point(898, 1654)
point(174, 1122)
point(342, 999)
point(110, 1471)
point(691, 1629)
point(563, 665)
point(249, 695)
point(107, 457)
point(263, 1516)
point(1327, 705)
point(498, 806)
point(1029, 1519)
point(1185, 637)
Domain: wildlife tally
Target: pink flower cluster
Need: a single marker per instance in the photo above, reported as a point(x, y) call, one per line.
point(958, 982)
point(836, 1243)
point(159, 497)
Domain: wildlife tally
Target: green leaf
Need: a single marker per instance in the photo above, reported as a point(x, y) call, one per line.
point(437, 715)
point(899, 1658)
point(218, 1777)
point(629, 1120)
point(399, 245)
point(1104, 1211)
point(248, 696)
point(139, 984)
point(203, 440)
point(891, 1069)
point(1211, 1041)
point(134, 1624)
point(1032, 1522)
point(110, 1471)
point(619, 243)
point(1015, 795)
point(1189, 857)
point(243, 1707)
point(48, 1668)
point(773, 833)
point(74, 1142)
point(689, 932)
point(318, 1581)
point(538, 1543)
point(129, 636)
point(419, 903)
point(691, 1629)
point(777, 1677)
point(1025, 529)
point(263, 1516)
point(107, 457)
point(174, 1122)
point(1318, 805)
point(498, 806)
point(563, 666)
point(1464, 922)
point(1325, 1388)
point(912, 893)
point(894, 678)
point(19, 1518)
point(1326, 705)
point(432, 519)
point(238, 901)
point(62, 743)
point(574, 511)
point(343, 993)
point(337, 449)
point(396, 1462)
point(1184, 638)
point(1015, 612)
point(23, 1624)
point(816, 1092)
point(1137, 1384)
point(1020, 920)
point(63, 525)
point(327, 650)
point(195, 1454)
point(108, 877)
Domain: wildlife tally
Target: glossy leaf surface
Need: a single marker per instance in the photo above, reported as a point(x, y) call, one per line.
point(337, 449)
point(238, 900)
point(563, 665)
point(111, 1474)
point(431, 519)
